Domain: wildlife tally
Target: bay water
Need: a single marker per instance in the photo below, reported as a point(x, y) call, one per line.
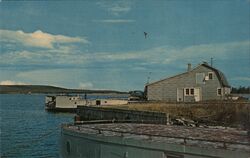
point(27, 129)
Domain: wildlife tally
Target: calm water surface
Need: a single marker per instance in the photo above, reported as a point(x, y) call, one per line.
point(27, 130)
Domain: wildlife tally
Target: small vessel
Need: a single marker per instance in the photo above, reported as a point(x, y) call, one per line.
point(67, 103)
point(63, 103)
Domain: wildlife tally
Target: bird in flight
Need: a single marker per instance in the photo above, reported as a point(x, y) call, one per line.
point(145, 34)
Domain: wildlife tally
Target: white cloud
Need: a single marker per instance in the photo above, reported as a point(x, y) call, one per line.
point(27, 57)
point(206, 51)
point(120, 8)
point(86, 85)
point(38, 38)
point(164, 55)
point(44, 76)
point(70, 78)
point(115, 21)
point(117, 7)
point(169, 55)
point(59, 48)
point(8, 82)
point(158, 55)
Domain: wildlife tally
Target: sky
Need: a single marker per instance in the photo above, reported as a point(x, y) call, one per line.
point(92, 44)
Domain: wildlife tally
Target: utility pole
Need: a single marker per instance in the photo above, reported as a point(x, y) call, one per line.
point(149, 77)
point(211, 62)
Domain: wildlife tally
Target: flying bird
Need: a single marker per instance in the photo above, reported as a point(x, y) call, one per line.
point(145, 34)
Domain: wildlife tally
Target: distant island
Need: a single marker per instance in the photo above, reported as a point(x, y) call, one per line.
point(29, 89)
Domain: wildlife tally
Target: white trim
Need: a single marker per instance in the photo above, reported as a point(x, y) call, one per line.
point(180, 94)
point(177, 97)
point(197, 96)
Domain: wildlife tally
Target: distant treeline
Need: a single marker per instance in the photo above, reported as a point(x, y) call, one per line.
point(241, 90)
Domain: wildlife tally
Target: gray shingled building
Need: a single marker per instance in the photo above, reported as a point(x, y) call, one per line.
point(198, 84)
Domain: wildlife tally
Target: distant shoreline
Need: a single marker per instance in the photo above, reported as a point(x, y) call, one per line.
point(42, 89)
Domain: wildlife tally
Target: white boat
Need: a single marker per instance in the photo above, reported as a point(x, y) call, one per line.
point(65, 103)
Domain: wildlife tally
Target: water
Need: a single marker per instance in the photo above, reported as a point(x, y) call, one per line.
point(245, 96)
point(27, 130)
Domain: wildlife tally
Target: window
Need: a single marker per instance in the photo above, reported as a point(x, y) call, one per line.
point(98, 102)
point(219, 91)
point(191, 91)
point(187, 91)
point(210, 75)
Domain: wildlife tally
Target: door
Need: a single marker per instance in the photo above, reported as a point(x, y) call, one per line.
point(180, 94)
point(197, 94)
point(98, 102)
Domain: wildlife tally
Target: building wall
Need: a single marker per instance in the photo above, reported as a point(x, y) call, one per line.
point(209, 87)
point(109, 102)
point(167, 89)
point(74, 101)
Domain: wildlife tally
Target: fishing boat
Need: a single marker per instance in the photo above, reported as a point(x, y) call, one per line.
point(67, 103)
point(63, 103)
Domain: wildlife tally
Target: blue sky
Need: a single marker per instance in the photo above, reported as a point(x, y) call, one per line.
point(101, 44)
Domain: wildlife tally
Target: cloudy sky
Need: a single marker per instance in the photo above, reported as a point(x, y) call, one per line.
point(101, 45)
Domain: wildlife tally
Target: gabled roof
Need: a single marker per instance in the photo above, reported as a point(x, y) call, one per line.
point(219, 74)
point(221, 77)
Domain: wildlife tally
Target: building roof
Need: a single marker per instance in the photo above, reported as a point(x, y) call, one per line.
point(221, 77)
point(219, 74)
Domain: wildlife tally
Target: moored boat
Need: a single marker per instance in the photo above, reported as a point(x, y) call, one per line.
point(67, 103)
point(63, 103)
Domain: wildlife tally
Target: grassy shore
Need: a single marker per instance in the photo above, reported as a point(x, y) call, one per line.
point(223, 113)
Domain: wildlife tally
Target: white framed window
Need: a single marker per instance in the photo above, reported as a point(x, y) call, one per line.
point(210, 75)
point(189, 91)
point(186, 91)
point(219, 91)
